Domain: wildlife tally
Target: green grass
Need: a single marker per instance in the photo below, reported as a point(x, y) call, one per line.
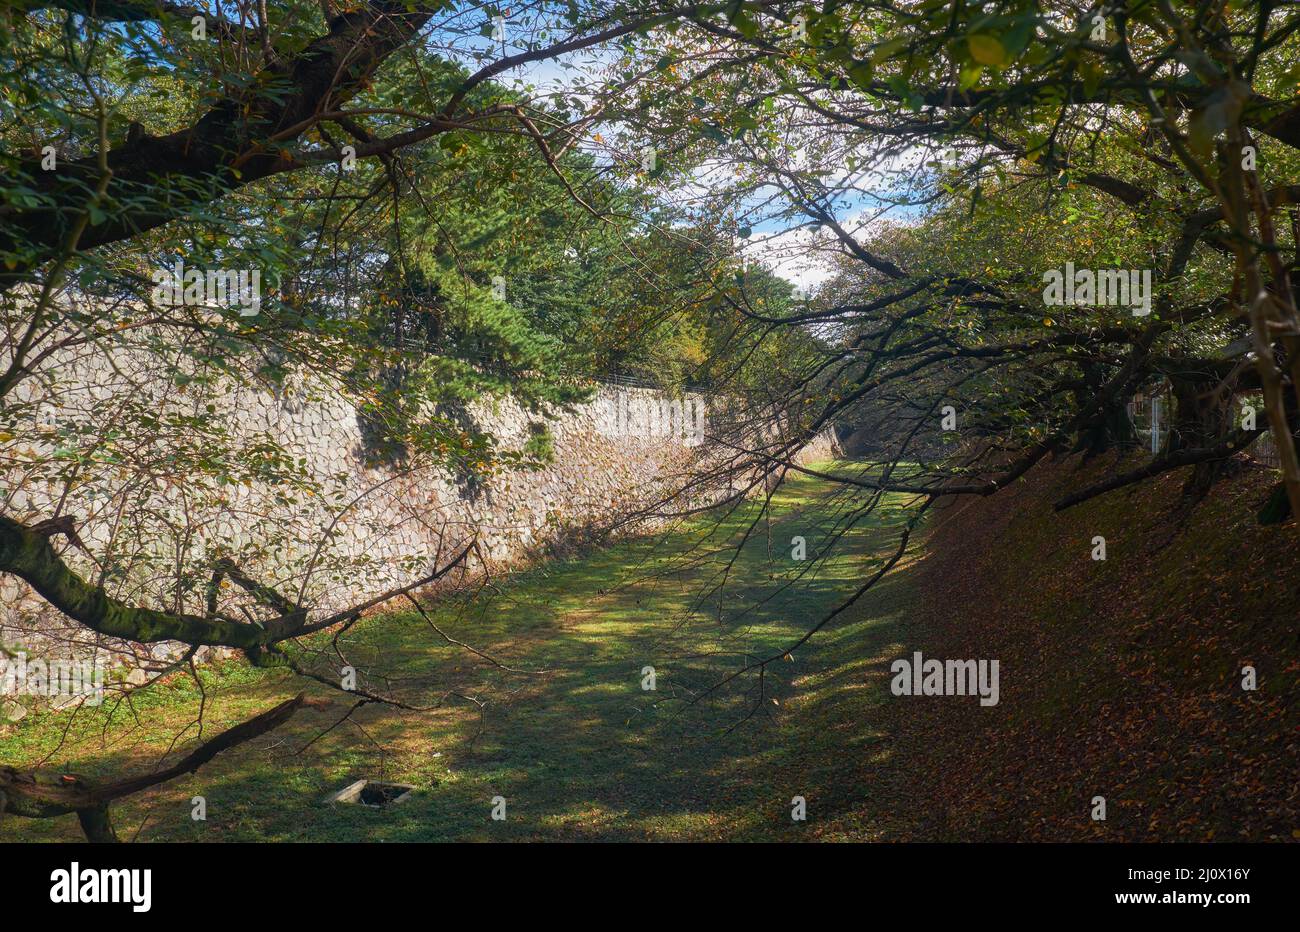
point(579, 751)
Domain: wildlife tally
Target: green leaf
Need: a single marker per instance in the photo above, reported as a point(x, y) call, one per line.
point(888, 49)
point(1290, 81)
point(862, 74)
point(968, 76)
point(744, 25)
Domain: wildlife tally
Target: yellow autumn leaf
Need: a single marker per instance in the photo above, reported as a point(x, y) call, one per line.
point(987, 50)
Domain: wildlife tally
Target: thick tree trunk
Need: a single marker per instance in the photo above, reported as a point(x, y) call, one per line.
point(1202, 415)
point(1111, 427)
point(97, 824)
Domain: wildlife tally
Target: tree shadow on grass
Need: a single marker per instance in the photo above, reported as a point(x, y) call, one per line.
point(582, 751)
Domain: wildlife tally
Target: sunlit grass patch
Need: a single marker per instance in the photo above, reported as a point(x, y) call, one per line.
point(578, 749)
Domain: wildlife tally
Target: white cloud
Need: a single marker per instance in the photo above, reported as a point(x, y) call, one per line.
point(798, 255)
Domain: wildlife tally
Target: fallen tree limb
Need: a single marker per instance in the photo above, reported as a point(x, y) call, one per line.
point(1234, 443)
point(40, 795)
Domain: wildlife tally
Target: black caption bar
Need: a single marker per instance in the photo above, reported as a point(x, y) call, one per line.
point(138, 884)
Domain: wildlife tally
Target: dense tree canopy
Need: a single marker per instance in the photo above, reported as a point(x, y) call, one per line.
point(1009, 139)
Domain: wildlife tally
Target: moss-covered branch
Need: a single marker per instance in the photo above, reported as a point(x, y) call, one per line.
point(28, 554)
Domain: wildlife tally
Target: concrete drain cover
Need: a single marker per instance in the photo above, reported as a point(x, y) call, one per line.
point(372, 794)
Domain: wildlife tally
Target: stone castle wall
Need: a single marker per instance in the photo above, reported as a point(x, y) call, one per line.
point(349, 533)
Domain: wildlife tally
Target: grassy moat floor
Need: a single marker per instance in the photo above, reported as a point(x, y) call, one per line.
point(579, 751)
point(1119, 678)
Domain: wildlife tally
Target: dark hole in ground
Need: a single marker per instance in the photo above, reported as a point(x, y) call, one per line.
point(372, 794)
point(381, 794)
